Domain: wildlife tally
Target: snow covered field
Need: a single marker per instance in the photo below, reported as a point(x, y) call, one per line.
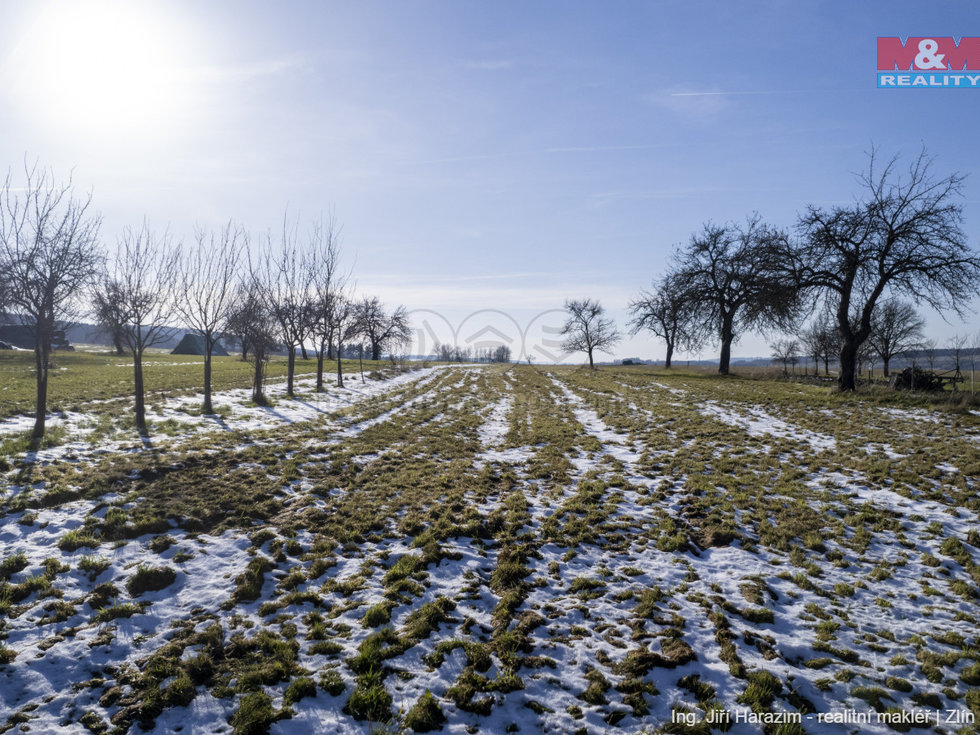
point(497, 550)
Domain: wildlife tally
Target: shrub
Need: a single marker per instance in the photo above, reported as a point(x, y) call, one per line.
point(93, 566)
point(7, 655)
point(181, 691)
point(123, 610)
point(12, 564)
point(377, 615)
point(299, 688)
point(370, 700)
point(76, 539)
point(254, 715)
point(150, 579)
point(325, 648)
point(971, 675)
point(425, 715)
point(332, 683)
point(249, 583)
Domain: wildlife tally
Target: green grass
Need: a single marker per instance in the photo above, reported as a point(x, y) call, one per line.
point(150, 579)
point(12, 564)
point(80, 378)
point(332, 594)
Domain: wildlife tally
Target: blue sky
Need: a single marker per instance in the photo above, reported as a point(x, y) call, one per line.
point(479, 155)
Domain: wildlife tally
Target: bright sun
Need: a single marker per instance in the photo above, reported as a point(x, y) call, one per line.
point(109, 67)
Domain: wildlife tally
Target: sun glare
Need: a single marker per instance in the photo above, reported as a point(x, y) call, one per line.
point(103, 66)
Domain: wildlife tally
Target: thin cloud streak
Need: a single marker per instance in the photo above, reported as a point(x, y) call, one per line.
point(249, 71)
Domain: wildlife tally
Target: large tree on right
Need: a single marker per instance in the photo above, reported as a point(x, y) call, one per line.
point(903, 236)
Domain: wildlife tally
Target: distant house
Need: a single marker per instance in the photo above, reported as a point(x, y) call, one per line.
point(193, 344)
point(22, 336)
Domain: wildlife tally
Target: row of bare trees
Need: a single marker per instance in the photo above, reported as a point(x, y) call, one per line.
point(283, 292)
point(455, 353)
point(849, 264)
point(896, 329)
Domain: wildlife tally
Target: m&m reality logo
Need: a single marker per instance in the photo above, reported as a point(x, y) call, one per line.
point(935, 61)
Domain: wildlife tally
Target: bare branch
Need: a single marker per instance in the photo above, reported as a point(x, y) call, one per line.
point(586, 330)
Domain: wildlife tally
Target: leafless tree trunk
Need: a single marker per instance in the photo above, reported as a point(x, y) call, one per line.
point(145, 273)
point(6, 291)
point(786, 352)
point(108, 312)
point(974, 358)
point(49, 252)
point(346, 326)
point(905, 237)
point(895, 328)
point(586, 330)
point(383, 331)
point(326, 286)
point(734, 278)
point(283, 278)
point(238, 318)
point(821, 342)
point(208, 276)
point(668, 313)
point(929, 348)
point(258, 331)
point(957, 346)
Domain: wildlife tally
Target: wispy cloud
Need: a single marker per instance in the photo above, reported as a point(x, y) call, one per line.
point(245, 72)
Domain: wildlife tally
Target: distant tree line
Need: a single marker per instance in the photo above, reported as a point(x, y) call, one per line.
point(282, 291)
point(456, 353)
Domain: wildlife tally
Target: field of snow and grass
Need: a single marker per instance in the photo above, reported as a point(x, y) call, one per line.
point(495, 549)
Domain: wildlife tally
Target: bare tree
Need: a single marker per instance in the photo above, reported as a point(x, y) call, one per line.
point(734, 278)
point(866, 356)
point(929, 348)
point(957, 346)
point(586, 330)
point(383, 330)
point(668, 312)
point(49, 252)
point(454, 353)
point(258, 332)
point(904, 236)
point(209, 275)
point(145, 276)
point(283, 278)
point(107, 309)
point(347, 325)
point(6, 290)
point(895, 328)
point(785, 351)
point(820, 342)
point(327, 284)
point(238, 317)
point(974, 357)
